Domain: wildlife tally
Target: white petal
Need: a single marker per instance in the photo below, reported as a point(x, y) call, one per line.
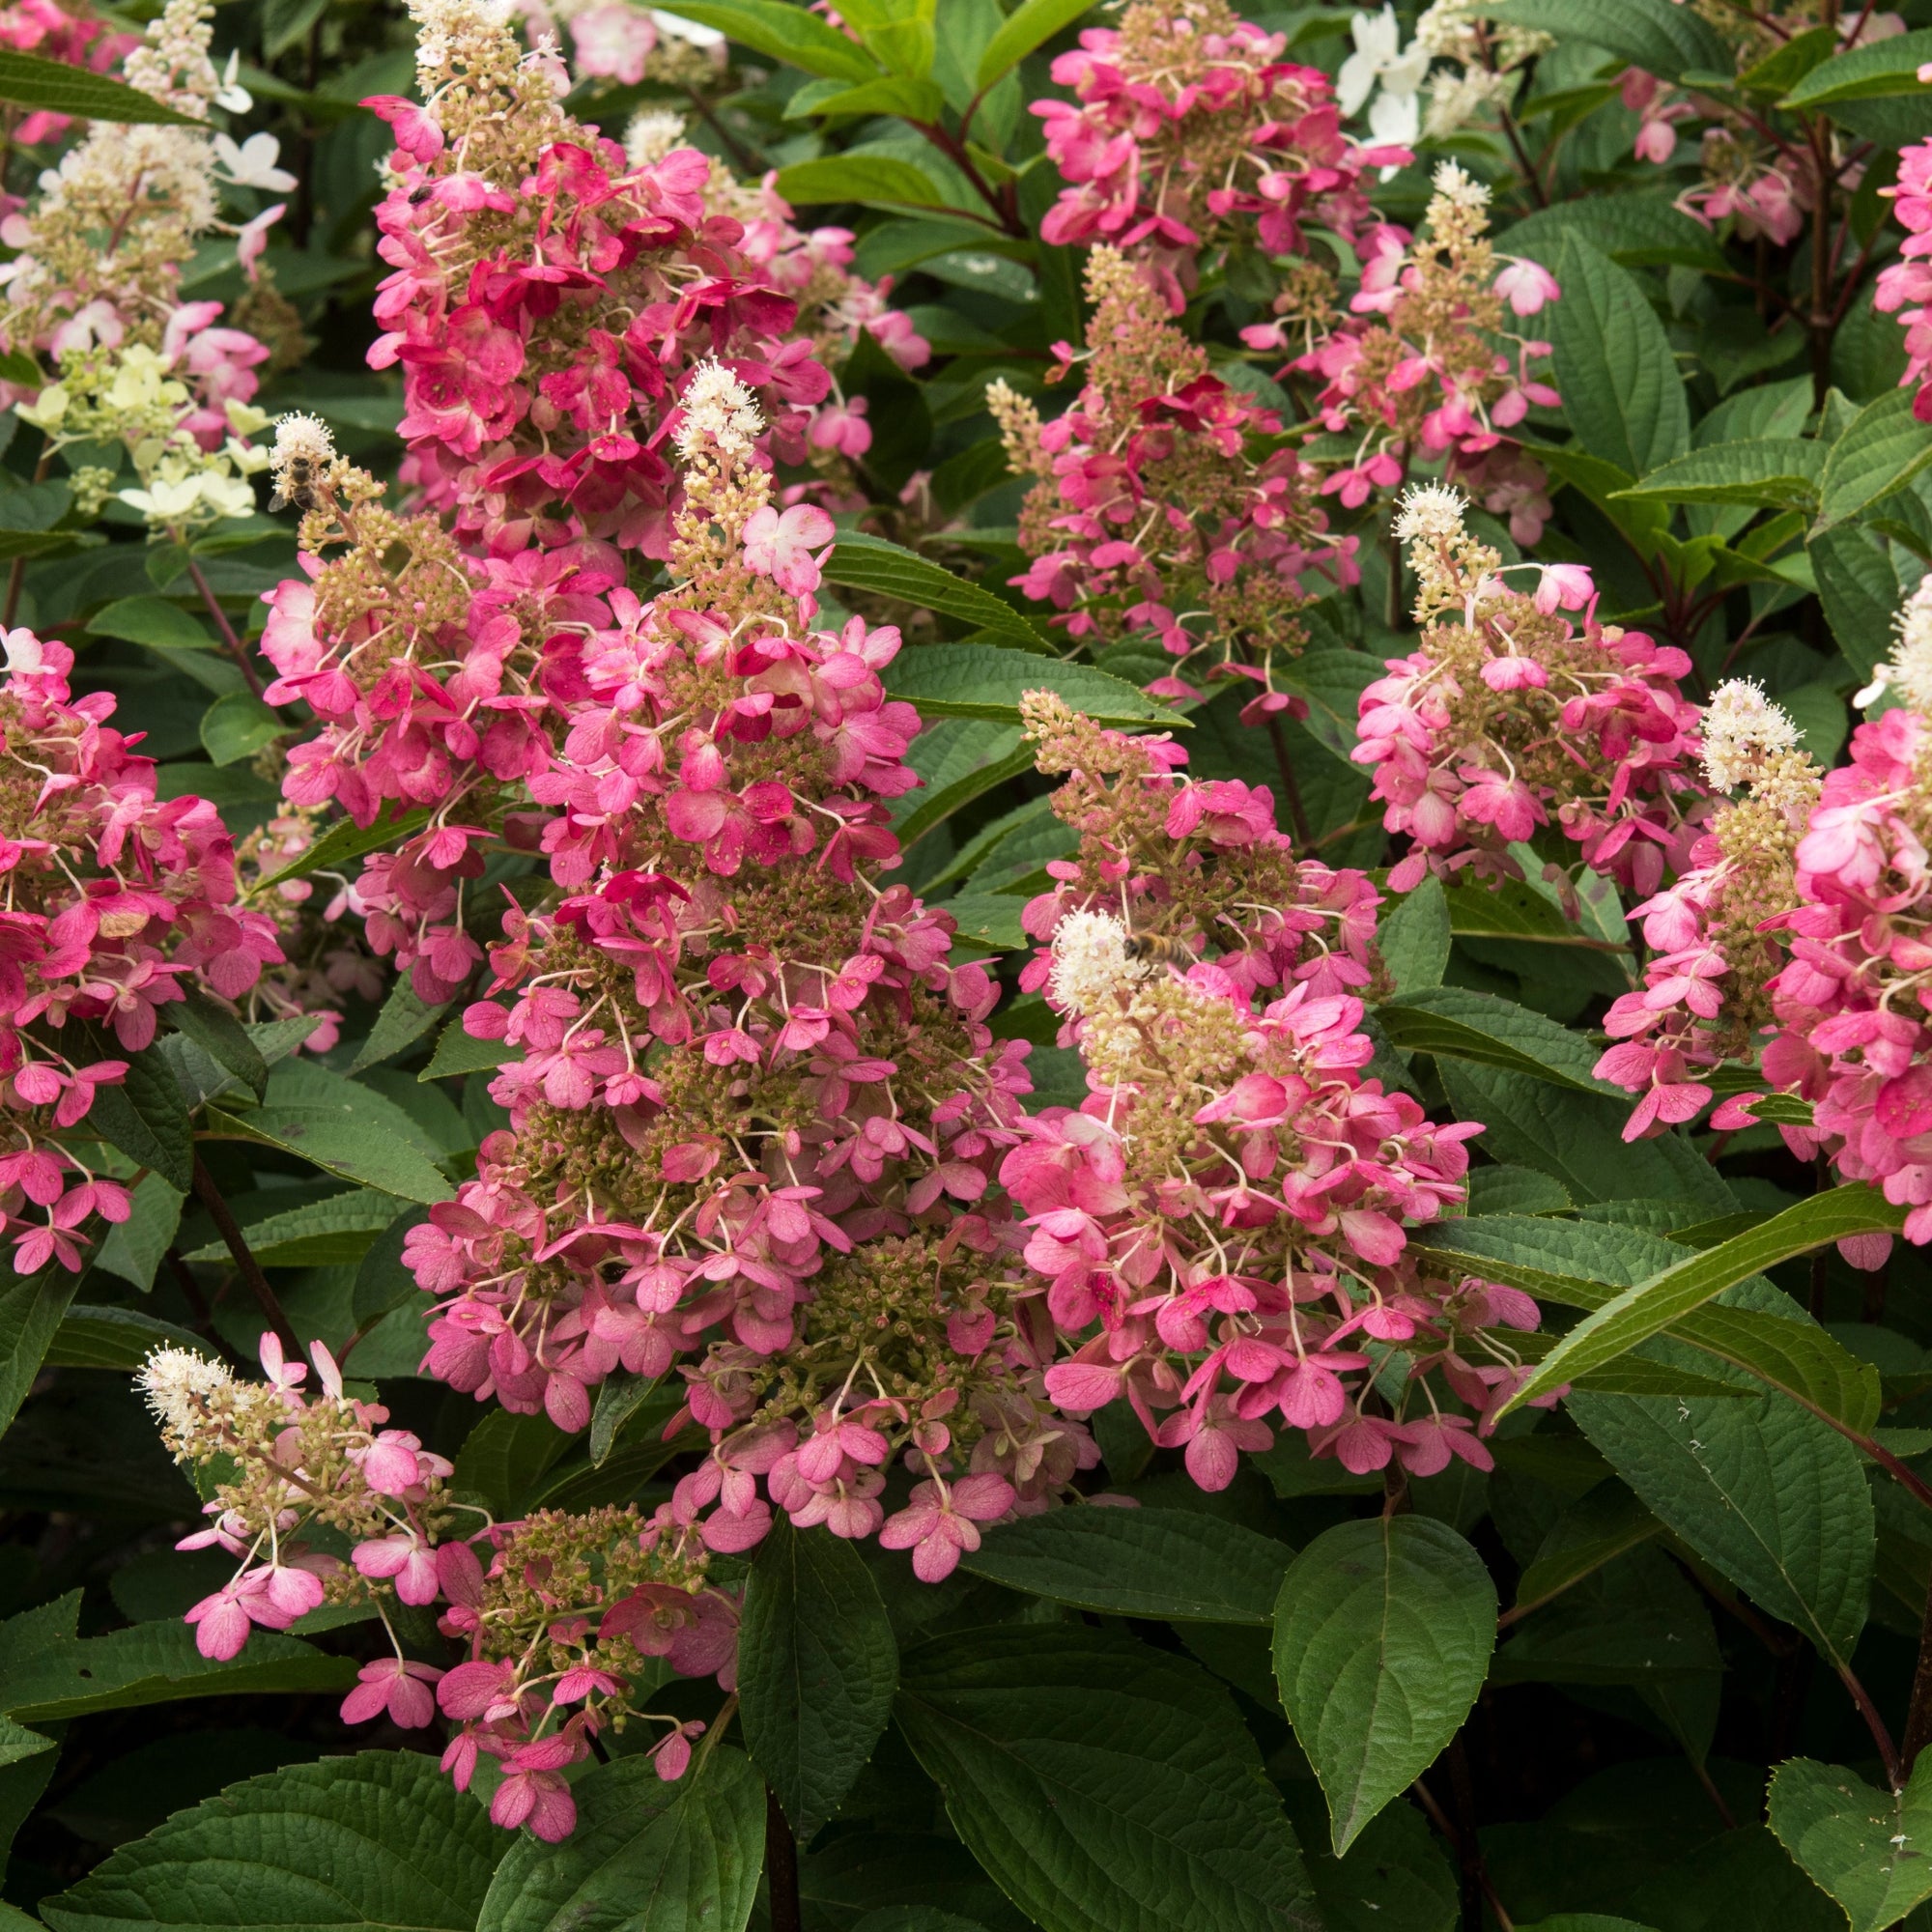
point(1355, 84)
point(1395, 120)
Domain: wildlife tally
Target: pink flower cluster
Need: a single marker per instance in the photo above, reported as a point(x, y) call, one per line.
point(1509, 718)
point(1221, 1223)
point(1906, 285)
point(115, 897)
point(1186, 125)
point(1850, 1007)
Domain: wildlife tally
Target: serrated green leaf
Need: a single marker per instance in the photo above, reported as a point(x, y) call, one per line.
point(1667, 1298)
point(114, 1338)
point(871, 563)
point(1867, 1849)
point(1455, 1022)
point(786, 33)
point(334, 1233)
point(144, 1117)
point(1781, 470)
point(1030, 24)
point(1883, 448)
point(1636, 231)
point(1105, 1785)
point(219, 1035)
point(619, 1397)
point(1621, 393)
point(1601, 1526)
point(646, 1856)
point(1414, 938)
point(1662, 38)
point(984, 681)
point(53, 87)
point(1382, 1636)
point(1173, 1564)
point(1763, 1492)
point(404, 1019)
point(1866, 74)
point(346, 840)
point(379, 1842)
point(874, 180)
point(32, 1307)
point(458, 1052)
point(818, 1669)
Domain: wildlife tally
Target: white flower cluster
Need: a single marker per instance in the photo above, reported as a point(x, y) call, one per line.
point(1909, 670)
point(718, 415)
point(1091, 968)
point(1740, 722)
point(652, 135)
point(1430, 513)
point(178, 1383)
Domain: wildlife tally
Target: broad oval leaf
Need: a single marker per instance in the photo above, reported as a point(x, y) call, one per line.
point(1637, 231)
point(145, 1115)
point(1168, 1563)
point(786, 33)
point(1105, 1785)
point(1866, 1848)
point(1866, 74)
point(1660, 38)
point(646, 1856)
point(817, 1666)
point(376, 1841)
point(872, 179)
point(1382, 1635)
point(1782, 471)
point(1884, 447)
point(1765, 1493)
point(1491, 1031)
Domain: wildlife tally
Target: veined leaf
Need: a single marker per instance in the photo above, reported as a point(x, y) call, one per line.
point(114, 1338)
point(1866, 74)
point(323, 1233)
point(53, 87)
point(32, 1308)
point(1491, 1032)
point(145, 1116)
point(871, 179)
point(1783, 470)
point(346, 840)
point(786, 33)
point(1652, 1306)
point(984, 681)
point(1882, 449)
point(1030, 25)
point(1866, 1848)
point(1173, 1564)
point(1654, 34)
point(871, 563)
point(459, 1052)
point(1637, 231)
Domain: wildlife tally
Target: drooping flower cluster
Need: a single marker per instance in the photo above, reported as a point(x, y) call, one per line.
point(549, 300)
point(1152, 517)
point(1430, 371)
point(755, 1102)
point(1905, 286)
point(1705, 995)
point(1221, 1223)
point(1851, 1006)
point(559, 1613)
point(1509, 717)
point(112, 898)
point(1186, 128)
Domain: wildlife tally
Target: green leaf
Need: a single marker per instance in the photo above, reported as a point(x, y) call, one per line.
point(1662, 38)
point(786, 33)
point(459, 1052)
point(1884, 447)
point(157, 1663)
point(31, 1310)
point(1332, 681)
point(619, 1397)
point(1601, 1526)
point(1168, 1563)
point(990, 754)
point(896, 31)
point(817, 1666)
point(1636, 231)
point(152, 620)
point(1765, 1493)
point(1783, 470)
point(334, 1233)
point(345, 840)
point(219, 1035)
point(1866, 74)
point(1787, 65)
point(1867, 1849)
point(890, 94)
point(876, 181)
point(1383, 1638)
point(1667, 1298)
point(984, 681)
point(991, 920)
point(1105, 1786)
point(26, 80)
point(133, 1249)
point(114, 1338)
point(379, 1842)
point(871, 563)
point(1415, 937)
point(1491, 1031)
point(506, 1456)
point(344, 1128)
point(236, 727)
point(145, 1116)
point(1860, 590)
point(1621, 393)
point(404, 1019)
point(646, 1856)
point(1030, 25)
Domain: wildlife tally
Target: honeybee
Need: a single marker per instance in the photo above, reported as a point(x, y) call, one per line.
point(1159, 950)
point(296, 487)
